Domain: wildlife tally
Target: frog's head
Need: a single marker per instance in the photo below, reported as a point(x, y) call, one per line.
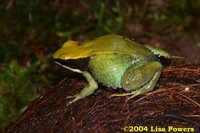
point(162, 55)
point(70, 55)
point(63, 53)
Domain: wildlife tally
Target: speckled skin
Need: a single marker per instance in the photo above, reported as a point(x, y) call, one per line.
point(109, 68)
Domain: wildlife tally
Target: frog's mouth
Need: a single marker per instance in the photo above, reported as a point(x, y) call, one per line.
point(80, 64)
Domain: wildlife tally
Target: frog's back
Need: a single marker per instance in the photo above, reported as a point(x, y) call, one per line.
point(102, 45)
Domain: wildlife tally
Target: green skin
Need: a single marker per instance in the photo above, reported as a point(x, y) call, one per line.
point(115, 62)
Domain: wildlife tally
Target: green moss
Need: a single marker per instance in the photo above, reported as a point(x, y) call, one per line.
point(18, 89)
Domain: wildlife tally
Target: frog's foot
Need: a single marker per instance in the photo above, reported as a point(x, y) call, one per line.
point(76, 98)
point(84, 93)
point(88, 90)
point(133, 94)
point(121, 95)
point(70, 97)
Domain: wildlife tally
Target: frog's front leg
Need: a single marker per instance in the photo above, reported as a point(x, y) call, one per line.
point(88, 90)
point(140, 78)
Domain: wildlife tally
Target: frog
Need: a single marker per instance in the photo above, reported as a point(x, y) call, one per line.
point(115, 62)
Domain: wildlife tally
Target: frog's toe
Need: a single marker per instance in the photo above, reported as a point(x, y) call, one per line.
point(70, 102)
point(136, 93)
point(121, 95)
point(76, 98)
point(70, 97)
point(130, 94)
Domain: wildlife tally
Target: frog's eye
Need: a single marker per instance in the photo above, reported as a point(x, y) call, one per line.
point(80, 43)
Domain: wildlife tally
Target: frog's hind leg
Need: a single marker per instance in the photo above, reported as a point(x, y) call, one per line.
point(140, 78)
point(147, 87)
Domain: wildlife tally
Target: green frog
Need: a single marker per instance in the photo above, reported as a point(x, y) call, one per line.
point(116, 62)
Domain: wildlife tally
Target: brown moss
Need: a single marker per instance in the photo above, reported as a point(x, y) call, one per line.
point(174, 102)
